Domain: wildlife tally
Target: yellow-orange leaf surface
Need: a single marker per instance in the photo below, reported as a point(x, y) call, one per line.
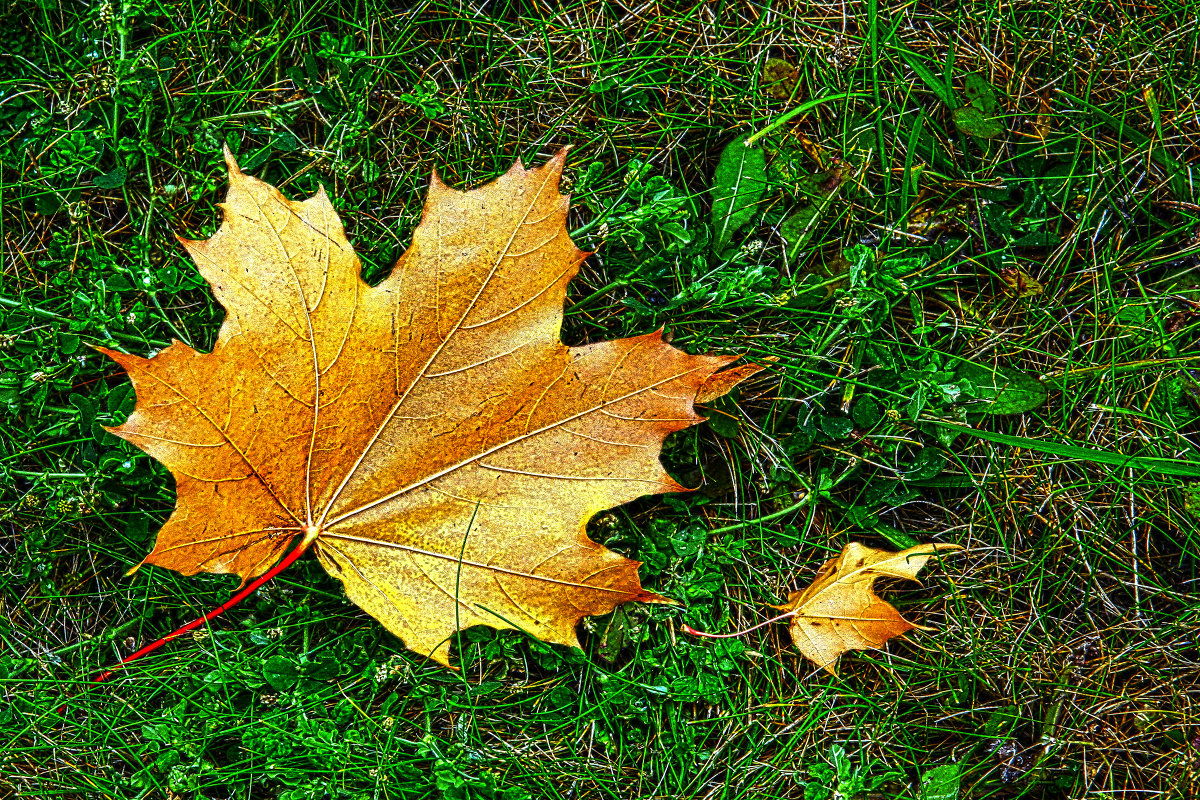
point(431, 437)
point(840, 611)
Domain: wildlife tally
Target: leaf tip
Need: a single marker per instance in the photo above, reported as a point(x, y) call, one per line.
point(231, 162)
point(651, 597)
point(553, 168)
point(558, 161)
point(435, 183)
point(125, 360)
point(721, 383)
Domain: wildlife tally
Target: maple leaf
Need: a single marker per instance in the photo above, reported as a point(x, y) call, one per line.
point(840, 612)
point(430, 438)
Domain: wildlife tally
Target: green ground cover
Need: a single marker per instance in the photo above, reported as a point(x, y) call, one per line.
point(985, 216)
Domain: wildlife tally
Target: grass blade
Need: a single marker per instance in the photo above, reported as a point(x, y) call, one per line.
point(1163, 466)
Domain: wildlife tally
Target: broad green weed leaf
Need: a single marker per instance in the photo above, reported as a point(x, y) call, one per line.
point(820, 189)
point(738, 184)
point(867, 412)
point(977, 117)
point(723, 416)
point(1038, 239)
point(113, 179)
point(973, 122)
point(929, 463)
point(797, 229)
point(87, 410)
point(941, 783)
point(1009, 391)
point(616, 635)
point(281, 672)
point(980, 93)
point(836, 427)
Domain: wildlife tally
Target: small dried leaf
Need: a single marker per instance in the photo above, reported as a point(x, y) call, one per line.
point(779, 79)
point(1043, 124)
point(936, 217)
point(1019, 283)
point(840, 611)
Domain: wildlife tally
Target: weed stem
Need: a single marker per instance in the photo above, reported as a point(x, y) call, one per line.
point(797, 111)
point(804, 501)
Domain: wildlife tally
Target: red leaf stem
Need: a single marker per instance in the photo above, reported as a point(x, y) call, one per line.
point(690, 630)
point(284, 563)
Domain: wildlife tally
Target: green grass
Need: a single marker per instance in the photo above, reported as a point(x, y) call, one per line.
point(1063, 661)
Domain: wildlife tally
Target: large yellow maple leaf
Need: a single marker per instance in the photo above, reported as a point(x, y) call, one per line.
point(430, 438)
